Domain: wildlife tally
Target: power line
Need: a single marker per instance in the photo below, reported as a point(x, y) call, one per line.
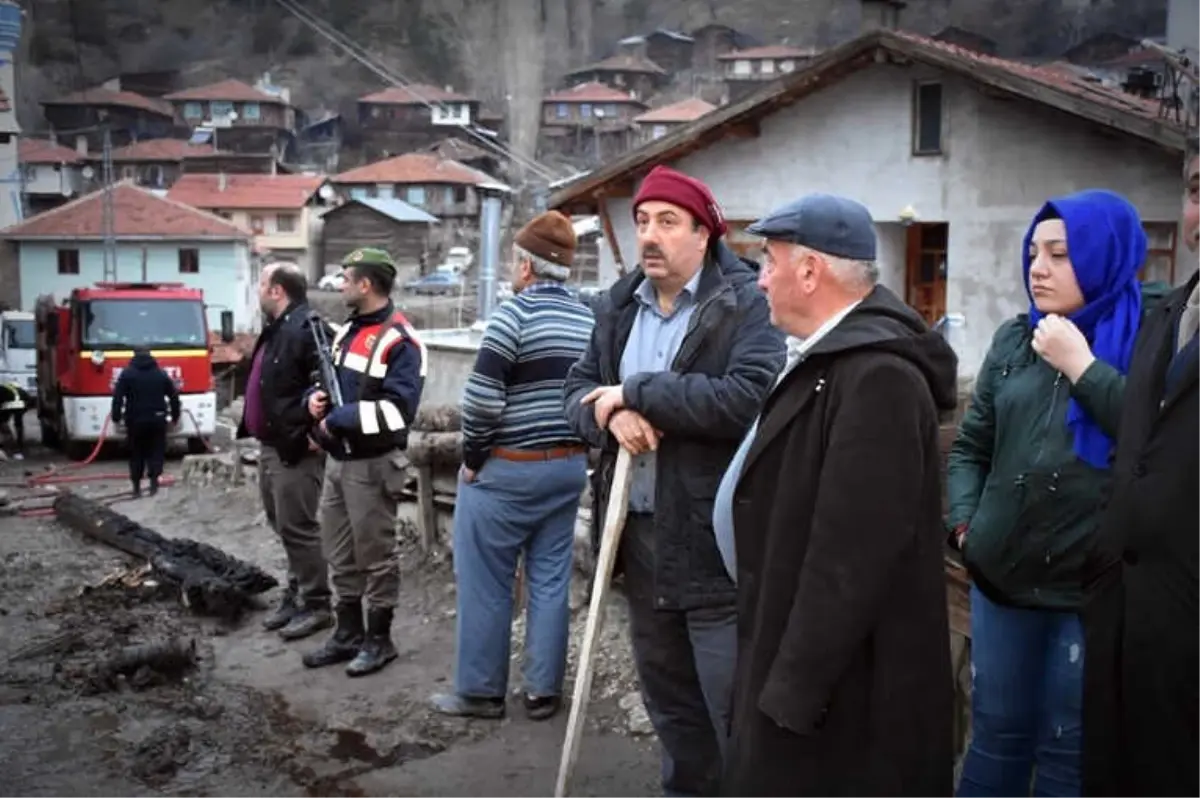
point(370, 61)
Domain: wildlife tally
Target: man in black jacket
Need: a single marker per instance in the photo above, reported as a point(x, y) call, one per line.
point(679, 360)
point(1141, 694)
point(290, 465)
point(145, 400)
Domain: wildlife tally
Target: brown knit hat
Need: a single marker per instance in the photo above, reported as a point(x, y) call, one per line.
point(550, 236)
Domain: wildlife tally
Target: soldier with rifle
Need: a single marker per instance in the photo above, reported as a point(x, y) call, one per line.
point(369, 396)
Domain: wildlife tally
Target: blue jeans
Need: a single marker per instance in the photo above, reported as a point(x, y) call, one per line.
point(513, 507)
point(1026, 702)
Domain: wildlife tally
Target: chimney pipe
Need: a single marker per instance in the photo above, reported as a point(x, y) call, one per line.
point(489, 249)
point(221, 182)
point(81, 145)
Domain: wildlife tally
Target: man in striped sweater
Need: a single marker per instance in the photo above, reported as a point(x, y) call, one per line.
point(522, 475)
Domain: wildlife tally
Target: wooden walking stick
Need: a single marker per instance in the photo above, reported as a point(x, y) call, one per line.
point(610, 540)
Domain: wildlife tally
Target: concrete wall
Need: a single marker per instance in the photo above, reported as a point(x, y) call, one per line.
point(56, 180)
point(1002, 159)
point(225, 273)
point(451, 356)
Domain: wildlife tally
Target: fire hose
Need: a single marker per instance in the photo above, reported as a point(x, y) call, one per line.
point(61, 475)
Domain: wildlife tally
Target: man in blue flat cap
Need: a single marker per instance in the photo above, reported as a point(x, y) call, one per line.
point(829, 518)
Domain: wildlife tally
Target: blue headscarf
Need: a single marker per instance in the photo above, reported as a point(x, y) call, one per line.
point(1107, 247)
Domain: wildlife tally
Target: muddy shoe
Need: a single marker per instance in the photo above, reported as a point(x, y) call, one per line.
point(460, 706)
point(284, 613)
point(344, 643)
point(541, 707)
point(307, 621)
point(377, 649)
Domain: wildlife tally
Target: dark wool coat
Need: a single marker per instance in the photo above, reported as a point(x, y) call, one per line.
point(1140, 616)
point(843, 682)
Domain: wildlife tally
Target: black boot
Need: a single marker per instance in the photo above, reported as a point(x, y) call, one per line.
point(153, 485)
point(285, 611)
point(137, 489)
point(377, 649)
point(344, 643)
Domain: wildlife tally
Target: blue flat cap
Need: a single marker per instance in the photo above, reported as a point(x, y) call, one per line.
point(831, 225)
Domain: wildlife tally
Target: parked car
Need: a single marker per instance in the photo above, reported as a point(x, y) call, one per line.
point(332, 282)
point(436, 284)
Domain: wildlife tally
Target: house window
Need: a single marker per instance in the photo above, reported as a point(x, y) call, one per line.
point(766, 66)
point(1160, 253)
point(448, 195)
point(256, 225)
point(285, 223)
point(68, 261)
point(610, 110)
point(193, 111)
point(219, 109)
point(415, 195)
point(658, 131)
point(561, 111)
point(927, 119)
point(460, 195)
point(251, 111)
point(787, 65)
point(742, 67)
point(451, 114)
point(189, 261)
point(618, 79)
point(585, 110)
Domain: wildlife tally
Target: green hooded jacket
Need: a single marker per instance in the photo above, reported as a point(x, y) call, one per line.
point(1030, 504)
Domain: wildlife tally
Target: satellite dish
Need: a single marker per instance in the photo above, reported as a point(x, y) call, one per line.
point(67, 191)
point(326, 192)
point(231, 116)
point(88, 173)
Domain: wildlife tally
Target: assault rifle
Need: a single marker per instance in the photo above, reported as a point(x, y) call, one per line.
point(326, 375)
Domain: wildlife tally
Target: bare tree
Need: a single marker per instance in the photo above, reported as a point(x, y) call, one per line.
point(523, 37)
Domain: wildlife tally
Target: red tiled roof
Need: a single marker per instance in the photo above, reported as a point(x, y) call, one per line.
point(1070, 92)
point(591, 92)
point(457, 150)
point(137, 214)
point(682, 111)
point(622, 63)
point(414, 94)
point(414, 168)
point(230, 90)
point(120, 99)
point(161, 150)
point(768, 51)
point(45, 152)
point(245, 191)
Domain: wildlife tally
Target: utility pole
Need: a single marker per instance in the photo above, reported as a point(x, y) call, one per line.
point(108, 218)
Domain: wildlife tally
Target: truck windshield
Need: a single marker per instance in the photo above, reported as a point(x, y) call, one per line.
point(18, 334)
point(161, 323)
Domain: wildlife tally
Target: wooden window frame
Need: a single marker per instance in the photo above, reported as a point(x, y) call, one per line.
point(68, 261)
point(916, 119)
point(1168, 252)
point(189, 260)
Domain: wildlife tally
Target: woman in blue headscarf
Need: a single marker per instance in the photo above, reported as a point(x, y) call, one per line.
point(1027, 476)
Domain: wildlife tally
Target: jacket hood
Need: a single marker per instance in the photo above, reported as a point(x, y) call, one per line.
point(885, 324)
point(143, 361)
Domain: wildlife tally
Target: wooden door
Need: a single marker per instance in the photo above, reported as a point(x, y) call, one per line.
point(925, 288)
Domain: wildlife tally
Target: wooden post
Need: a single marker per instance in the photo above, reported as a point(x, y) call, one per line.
point(426, 511)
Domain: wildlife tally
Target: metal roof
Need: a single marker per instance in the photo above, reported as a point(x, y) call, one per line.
point(398, 210)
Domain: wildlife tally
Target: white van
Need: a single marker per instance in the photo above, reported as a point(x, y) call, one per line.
point(18, 350)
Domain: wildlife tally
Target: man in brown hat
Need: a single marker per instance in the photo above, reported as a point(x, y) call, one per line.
point(522, 475)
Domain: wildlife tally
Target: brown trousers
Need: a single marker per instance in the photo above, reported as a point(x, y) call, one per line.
point(290, 495)
point(358, 528)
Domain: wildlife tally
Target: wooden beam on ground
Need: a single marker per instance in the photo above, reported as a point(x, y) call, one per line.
point(426, 511)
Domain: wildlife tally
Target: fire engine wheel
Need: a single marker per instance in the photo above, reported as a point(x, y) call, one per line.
point(49, 432)
point(196, 446)
point(78, 450)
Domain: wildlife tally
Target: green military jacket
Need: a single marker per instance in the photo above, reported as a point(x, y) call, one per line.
point(1031, 506)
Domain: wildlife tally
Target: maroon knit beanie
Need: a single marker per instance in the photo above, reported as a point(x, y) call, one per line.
point(667, 185)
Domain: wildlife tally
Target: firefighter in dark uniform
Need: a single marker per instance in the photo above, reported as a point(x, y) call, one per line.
point(380, 368)
point(146, 401)
point(14, 401)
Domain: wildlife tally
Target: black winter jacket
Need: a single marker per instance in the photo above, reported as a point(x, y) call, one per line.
point(727, 362)
point(144, 393)
point(288, 365)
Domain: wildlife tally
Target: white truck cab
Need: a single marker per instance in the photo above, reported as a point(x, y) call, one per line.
point(18, 350)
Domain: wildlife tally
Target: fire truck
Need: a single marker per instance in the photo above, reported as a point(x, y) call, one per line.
point(85, 341)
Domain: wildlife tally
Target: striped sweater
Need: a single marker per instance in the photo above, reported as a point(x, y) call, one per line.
point(514, 397)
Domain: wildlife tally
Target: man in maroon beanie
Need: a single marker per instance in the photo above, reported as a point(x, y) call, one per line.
point(682, 354)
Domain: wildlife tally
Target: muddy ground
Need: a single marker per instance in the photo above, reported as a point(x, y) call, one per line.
point(249, 719)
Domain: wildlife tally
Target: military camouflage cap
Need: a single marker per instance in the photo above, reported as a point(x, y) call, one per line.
point(370, 256)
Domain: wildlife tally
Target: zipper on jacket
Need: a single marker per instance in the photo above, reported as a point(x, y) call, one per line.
point(1049, 418)
point(694, 324)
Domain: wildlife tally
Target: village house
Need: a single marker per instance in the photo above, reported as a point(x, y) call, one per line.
point(658, 122)
point(670, 50)
point(633, 74)
point(237, 117)
point(466, 153)
point(51, 174)
point(157, 240)
point(151, 163)
point(951, 151)
point(127, 116)
point(400, 229)
point(712, 41)
point(402, 119)
point(746, 70)
point(591, 121)
point(281, 212)
point(448, 190)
